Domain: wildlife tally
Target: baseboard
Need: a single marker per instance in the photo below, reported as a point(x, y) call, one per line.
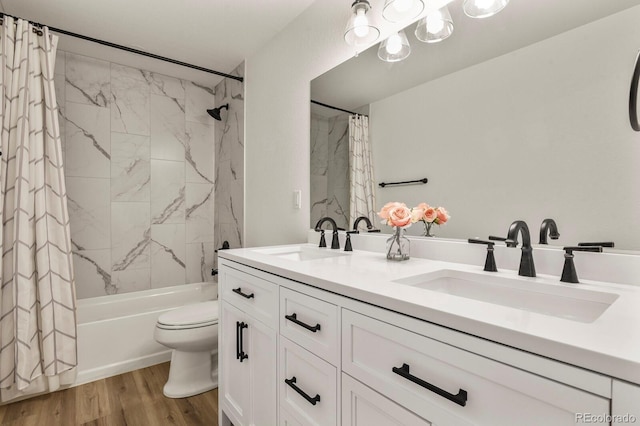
point(114, 369)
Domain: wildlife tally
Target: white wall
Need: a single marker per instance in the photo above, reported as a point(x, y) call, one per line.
point(539, 132)
point(277, 117)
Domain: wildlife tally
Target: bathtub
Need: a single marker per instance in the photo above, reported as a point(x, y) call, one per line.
point(115, 333)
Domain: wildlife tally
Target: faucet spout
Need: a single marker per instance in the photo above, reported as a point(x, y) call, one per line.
point(335, 244)
point(550, 228)
point(527, 267)
point(360, 219)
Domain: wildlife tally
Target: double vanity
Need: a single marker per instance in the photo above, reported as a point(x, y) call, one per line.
point(315, 336)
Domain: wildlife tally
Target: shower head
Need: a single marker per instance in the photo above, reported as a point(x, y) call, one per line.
point(215, 112)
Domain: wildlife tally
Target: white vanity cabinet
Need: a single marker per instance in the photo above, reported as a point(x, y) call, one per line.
point(247, 348)
point(326, 359)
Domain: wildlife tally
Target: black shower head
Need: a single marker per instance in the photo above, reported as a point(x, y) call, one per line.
point(215, 112)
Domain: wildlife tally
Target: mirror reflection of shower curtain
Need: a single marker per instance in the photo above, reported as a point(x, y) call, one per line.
point(37, 293)
point(362, 197)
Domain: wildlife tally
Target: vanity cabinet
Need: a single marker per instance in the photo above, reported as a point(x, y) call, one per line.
point(324, 359)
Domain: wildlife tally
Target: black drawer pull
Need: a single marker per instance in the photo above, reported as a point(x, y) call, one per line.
point(294, 318)
point(460, 398)
point(240, 354)
point(239, 291)
point(291, 382)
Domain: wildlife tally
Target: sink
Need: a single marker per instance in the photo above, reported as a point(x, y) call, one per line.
point(556, 300)
point(301, 253)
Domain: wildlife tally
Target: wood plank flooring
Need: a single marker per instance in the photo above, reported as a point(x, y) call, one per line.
point(131, 399)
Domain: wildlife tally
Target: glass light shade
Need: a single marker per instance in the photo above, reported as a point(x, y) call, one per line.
point(395, 48)
point(400, 10)
point(483, 8)
point(435, 27)
point(359, 31)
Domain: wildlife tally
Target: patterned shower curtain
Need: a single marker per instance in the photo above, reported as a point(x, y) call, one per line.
point(362, 197)
point(37, 293)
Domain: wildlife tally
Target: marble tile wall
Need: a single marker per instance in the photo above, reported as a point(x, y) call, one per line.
point(139, 165)
point(329, 191)
point(229, 171)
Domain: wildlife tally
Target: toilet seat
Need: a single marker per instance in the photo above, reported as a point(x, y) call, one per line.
point(199, 315)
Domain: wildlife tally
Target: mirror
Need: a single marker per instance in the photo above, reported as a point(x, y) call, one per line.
point(523, 115)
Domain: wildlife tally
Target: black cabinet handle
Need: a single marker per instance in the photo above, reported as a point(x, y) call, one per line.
point(460, 398)
point(240, 355)
point(239, 291)
point(291, 382)
point(294, 318)
point(237, 339)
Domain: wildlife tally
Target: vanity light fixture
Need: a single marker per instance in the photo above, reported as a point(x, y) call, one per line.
point(395, 48)
point(435, 27)
point(359, 31)
point(483, 8)
point(400, 10)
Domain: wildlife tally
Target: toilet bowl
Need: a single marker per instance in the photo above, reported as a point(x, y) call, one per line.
point(192, 332)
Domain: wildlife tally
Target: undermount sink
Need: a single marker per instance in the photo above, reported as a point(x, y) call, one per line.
point(561, 301)
point(301, 253)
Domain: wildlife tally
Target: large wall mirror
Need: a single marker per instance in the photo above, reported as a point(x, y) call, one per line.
point(523, 115)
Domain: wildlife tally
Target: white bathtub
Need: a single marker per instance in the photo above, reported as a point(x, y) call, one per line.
point(115, 333)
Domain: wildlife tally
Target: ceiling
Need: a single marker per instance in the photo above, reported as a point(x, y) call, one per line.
point(214, 34)
point(366, 79)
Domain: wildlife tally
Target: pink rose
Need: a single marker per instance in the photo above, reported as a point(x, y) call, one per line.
point(443, 215)
point(384, 212)
point(400, 215)
point(423, 206)
point(430, 214)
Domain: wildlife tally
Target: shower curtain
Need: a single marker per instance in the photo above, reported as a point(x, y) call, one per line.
point(37, 293)
point(362, 197)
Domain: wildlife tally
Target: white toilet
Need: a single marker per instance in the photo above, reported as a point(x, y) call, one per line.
point(192, 332)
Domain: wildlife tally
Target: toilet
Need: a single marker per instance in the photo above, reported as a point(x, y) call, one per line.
point(192, 332)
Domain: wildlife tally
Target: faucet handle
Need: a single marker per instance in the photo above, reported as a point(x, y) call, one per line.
point(569, 274)
point(508, 242)
point(347, 243)
point(323, 242)
point(601, 244)
point(335, 243)
point(490, 261)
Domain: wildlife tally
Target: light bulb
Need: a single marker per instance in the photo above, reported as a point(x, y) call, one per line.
point(361, 24)
point(402, 5)
point(435, 23)
point(394, 44)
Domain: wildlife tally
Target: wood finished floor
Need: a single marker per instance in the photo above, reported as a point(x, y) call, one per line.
point(133, 399)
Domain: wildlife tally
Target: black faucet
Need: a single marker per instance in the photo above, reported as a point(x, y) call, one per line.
point(569, 274)
point(527, 268)
point(549, 228)
point(370, 227)
point(490, 261)
point(335, 244)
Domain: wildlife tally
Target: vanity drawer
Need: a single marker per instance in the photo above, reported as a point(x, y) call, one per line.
point(362, 406)
point(449, 386)
point(253, 295)
point(311, 323)
point(308, 386)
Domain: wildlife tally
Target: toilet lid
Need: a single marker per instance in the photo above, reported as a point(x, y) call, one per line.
point(191, 316)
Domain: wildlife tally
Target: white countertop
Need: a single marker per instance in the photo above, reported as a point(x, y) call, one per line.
point(609, 345)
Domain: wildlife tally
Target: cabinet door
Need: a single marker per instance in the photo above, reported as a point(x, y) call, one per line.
point(261, 348)
point(362, 406)
point(234, 382)
point(248, 369)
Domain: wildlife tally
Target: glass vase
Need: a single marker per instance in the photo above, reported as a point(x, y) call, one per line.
point(398, 246)
point(427, 229)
